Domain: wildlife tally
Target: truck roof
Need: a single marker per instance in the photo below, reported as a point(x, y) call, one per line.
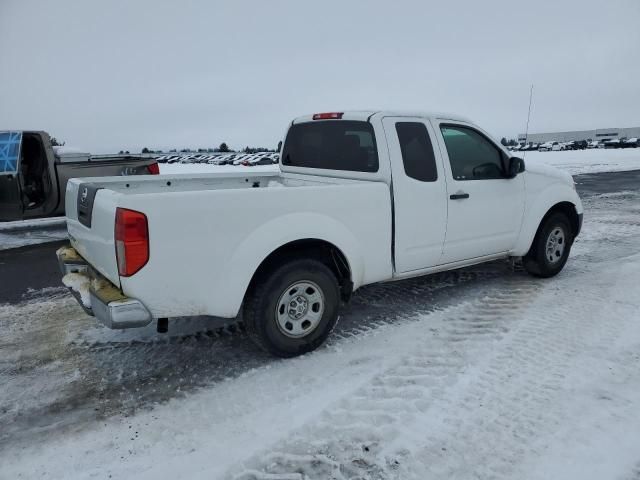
point(364, 115)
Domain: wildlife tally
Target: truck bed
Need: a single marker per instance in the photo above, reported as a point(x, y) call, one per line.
point(226, 224)
point(200, 183)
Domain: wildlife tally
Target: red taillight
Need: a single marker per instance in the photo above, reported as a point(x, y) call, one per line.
point(154, 169)
point(328, 116)
point(132, 241)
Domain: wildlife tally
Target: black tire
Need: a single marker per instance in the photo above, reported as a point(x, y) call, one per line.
point(541, 262)
point(261, 318)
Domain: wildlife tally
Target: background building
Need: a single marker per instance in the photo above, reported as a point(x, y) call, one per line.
point(598, 134)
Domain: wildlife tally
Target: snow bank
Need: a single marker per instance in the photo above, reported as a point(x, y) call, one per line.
point(31, 235)
point(173, 168)
point(32, 224)
point(79, 283)
point(578, 162)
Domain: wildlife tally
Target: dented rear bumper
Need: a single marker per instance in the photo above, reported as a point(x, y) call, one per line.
point(97, 295)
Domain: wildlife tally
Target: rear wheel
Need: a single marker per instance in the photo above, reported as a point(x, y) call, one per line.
point(292, 309)
point(550, 249)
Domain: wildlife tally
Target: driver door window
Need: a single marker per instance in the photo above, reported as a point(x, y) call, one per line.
point(471, 155)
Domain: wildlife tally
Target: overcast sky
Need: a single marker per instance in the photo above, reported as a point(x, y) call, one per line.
point(111, 75)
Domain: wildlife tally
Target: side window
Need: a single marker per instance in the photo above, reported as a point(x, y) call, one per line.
point(9, 151)
point(417, 151)
point(472, 156)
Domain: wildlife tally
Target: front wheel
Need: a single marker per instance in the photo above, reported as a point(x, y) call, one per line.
point(291, 310)
point(550, 249)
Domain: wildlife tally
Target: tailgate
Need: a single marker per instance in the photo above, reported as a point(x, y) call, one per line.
point(91, 212)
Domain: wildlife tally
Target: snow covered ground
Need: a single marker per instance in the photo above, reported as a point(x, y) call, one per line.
point(176, 168)
point(478, 373)
point(30, 232)
point(587, 161)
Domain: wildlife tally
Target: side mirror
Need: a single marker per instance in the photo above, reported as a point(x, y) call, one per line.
point(516, 166)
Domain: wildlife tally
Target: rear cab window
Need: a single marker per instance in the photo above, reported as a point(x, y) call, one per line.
point(346, 145)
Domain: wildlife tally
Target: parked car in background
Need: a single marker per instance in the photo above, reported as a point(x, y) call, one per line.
point(225, 159)
point(34, 173)
point(529, 147)
point(263, 158)
point(545, 147)
point(630, 143)
point(602, 143)
point(593, 144)
point(238, 160)
point(361, 197)
point(575, 145)
point(613, 143)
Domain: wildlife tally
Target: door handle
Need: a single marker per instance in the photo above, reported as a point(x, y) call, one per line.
point(459, 196)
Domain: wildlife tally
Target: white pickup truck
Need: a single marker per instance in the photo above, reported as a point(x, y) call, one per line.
point(361, 197)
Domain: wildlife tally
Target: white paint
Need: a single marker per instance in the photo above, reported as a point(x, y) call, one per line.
point(419, 235)
point(210, 233)
point(489, 221)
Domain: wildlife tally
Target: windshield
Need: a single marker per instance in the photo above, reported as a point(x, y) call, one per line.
point(332, 144)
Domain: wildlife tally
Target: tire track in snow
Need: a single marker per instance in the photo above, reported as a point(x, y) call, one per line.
point(93, 375)
point(435, 416)
point(348, 440)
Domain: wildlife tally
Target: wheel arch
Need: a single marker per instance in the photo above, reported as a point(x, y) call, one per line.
point(569, 209)
point(303, 233)
point(566, 207)
point(310, 248)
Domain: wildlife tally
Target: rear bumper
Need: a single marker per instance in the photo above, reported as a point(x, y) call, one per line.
point(99, 297)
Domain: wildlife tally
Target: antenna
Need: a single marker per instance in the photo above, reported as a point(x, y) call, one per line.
point(526, 133)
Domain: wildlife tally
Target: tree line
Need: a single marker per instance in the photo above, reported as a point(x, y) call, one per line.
point(222, 148)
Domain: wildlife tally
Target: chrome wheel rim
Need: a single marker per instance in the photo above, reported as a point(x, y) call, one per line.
point(299, 309)
point(556, 244)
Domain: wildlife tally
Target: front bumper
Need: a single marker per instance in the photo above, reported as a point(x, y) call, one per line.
point(102, 300)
